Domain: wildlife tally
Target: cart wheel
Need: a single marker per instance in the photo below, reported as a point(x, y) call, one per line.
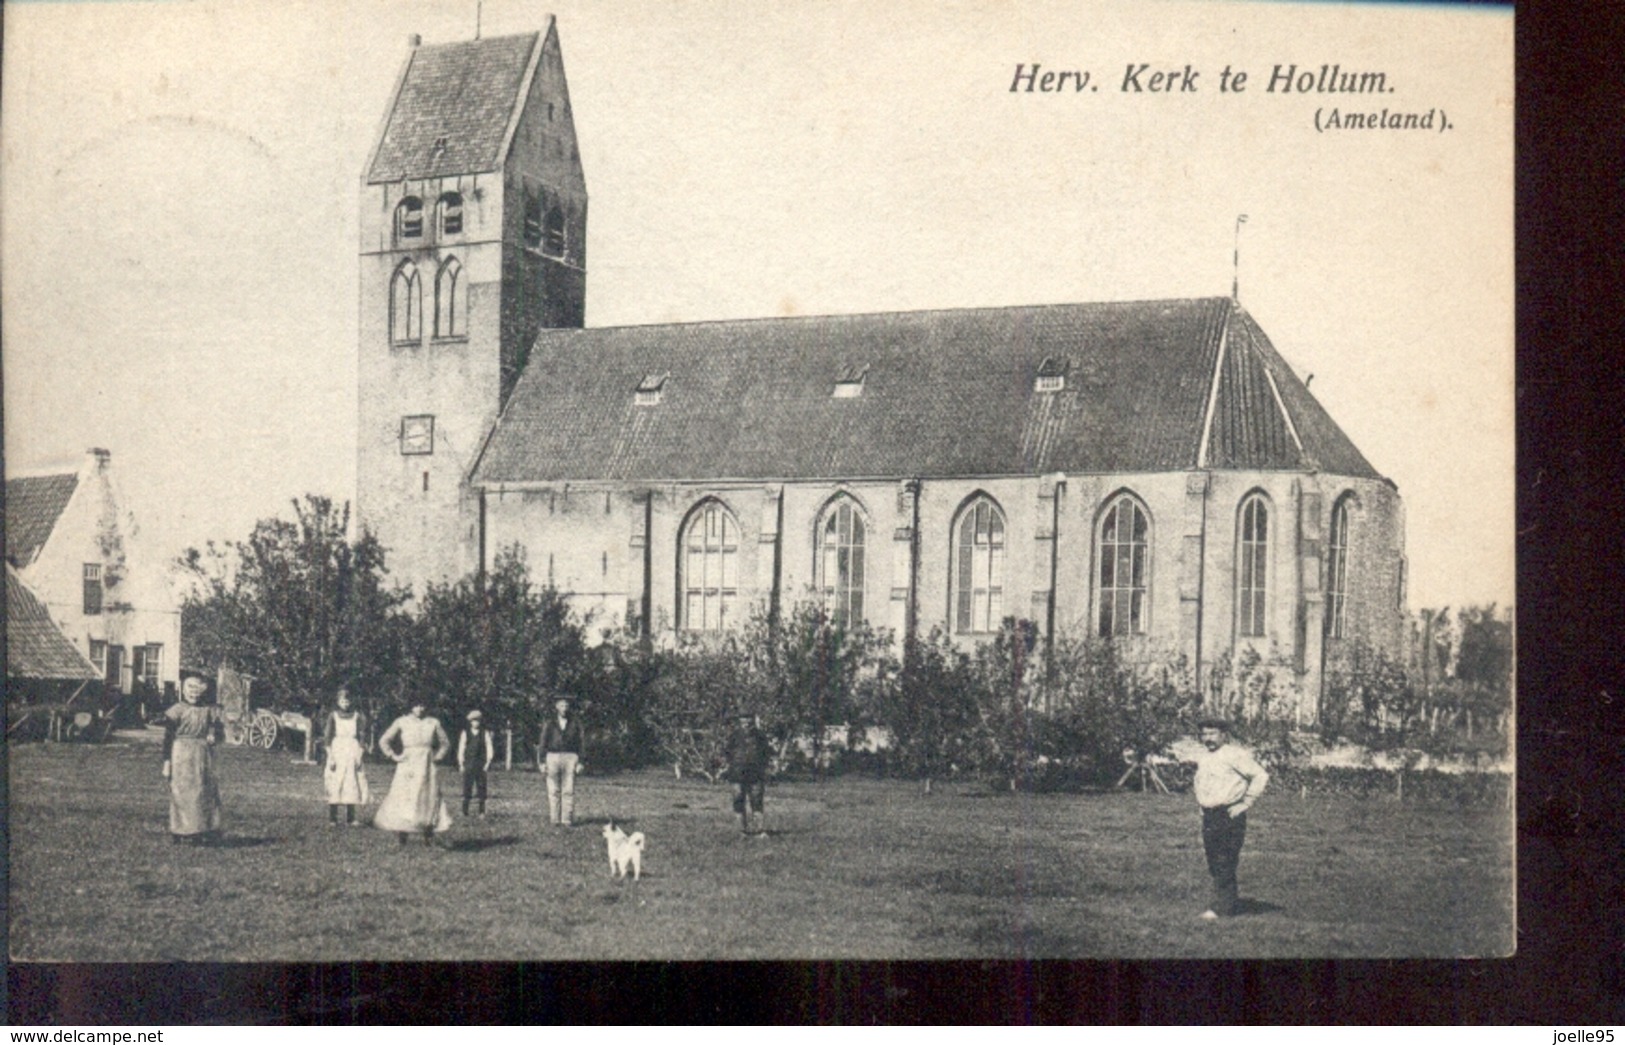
point(262, 733)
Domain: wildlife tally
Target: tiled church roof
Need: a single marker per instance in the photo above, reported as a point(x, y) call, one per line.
point(33, 505)
point(949, 393)
point(452, 110)
point(35, 646)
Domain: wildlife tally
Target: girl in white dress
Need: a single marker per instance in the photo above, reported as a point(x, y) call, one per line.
point(413, 804)
point(345, 780)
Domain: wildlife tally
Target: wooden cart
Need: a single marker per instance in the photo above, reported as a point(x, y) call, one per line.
point(244, 723)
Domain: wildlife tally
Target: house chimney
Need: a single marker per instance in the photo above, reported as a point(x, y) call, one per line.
point(98, 459)
point(414, 40)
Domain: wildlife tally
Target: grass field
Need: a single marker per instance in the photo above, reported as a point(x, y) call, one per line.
point(852, 868)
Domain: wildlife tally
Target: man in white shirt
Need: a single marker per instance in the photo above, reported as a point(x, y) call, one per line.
point(1228, 781)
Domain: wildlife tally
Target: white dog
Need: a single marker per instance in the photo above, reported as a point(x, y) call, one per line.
point(624, 850)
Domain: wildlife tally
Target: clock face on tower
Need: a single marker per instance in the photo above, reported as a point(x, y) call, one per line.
point(417, 434)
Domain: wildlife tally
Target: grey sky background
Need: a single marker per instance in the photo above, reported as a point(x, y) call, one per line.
point(178, 227)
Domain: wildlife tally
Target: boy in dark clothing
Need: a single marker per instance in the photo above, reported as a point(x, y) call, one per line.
point(748, 753)
point(474, 754)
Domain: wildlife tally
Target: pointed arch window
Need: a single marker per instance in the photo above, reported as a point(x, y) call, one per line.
point(841, 540)
point(409, 218)
point(1252, 565)
point(406, 304)
point(450, 213)
point(1337, 569)
point(978, 573)
point(553, 239)
point(533, 220)
point(450, 300)
point(710, 565)
point(1123, 551)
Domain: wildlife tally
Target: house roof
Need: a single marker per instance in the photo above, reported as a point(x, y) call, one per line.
point(943, 393)
point(33, 505)
point(452, 109)
point(35, 646)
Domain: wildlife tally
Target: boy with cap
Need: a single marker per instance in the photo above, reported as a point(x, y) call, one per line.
point(1228, 781)
point(471, 763)
point(748, 754)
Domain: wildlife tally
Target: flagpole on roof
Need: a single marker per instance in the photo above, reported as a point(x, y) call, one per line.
point(1235, 260)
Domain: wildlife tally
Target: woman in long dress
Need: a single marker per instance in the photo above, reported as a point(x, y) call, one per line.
point(413, 804)
point(344, 779)
point(192, 730)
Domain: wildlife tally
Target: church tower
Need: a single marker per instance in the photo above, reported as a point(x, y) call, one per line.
point(473, 240)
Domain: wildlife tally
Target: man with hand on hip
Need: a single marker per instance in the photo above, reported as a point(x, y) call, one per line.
point(1228, 781)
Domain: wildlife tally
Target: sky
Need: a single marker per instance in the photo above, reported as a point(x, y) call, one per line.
point(179, 232)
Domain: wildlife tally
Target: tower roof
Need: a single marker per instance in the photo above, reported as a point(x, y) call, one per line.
point(1142, 386)
point(453, 108)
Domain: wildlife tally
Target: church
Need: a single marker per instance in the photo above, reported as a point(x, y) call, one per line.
point(1152, 472)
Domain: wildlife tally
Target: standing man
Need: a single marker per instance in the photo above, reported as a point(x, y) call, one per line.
point(562, 751)
point(1228, 781)
point(748, 753)
point(474, 755)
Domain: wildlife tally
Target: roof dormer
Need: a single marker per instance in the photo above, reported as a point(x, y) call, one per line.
point(849, 382)
point(1051, 375)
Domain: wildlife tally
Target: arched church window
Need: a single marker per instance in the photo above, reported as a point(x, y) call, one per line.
point(1123, 551)
point(841, 534)
point(710, 568)
point(978, 571)
point(533, 220)
point(409, 218)
point(406, 304)
point(1252, 569)
point(450, 300)
point(451, 213)
point(553, 233)
point(1337, 568)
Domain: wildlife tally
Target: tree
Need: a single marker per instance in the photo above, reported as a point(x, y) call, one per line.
point(1110, 711)
point(692, 692)
point(929, 709)
point(814, 673)
point(299, 605)
point(1001, 670)
point(499, 643)
point(1484, 664)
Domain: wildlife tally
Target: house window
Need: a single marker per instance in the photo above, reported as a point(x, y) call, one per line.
point(533, 220)
point(1337, 569)
point(148, 666)
point(409, 218)
point(98, 655)
point(710, 568)
point(417, 438)
point(553, 233)
point(451, 213)
point(1123, 554)
point(979, 567)
point(450, 301)
point(406, 305)
point(1251, 565)
point(93, 588)
point(840, 562)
